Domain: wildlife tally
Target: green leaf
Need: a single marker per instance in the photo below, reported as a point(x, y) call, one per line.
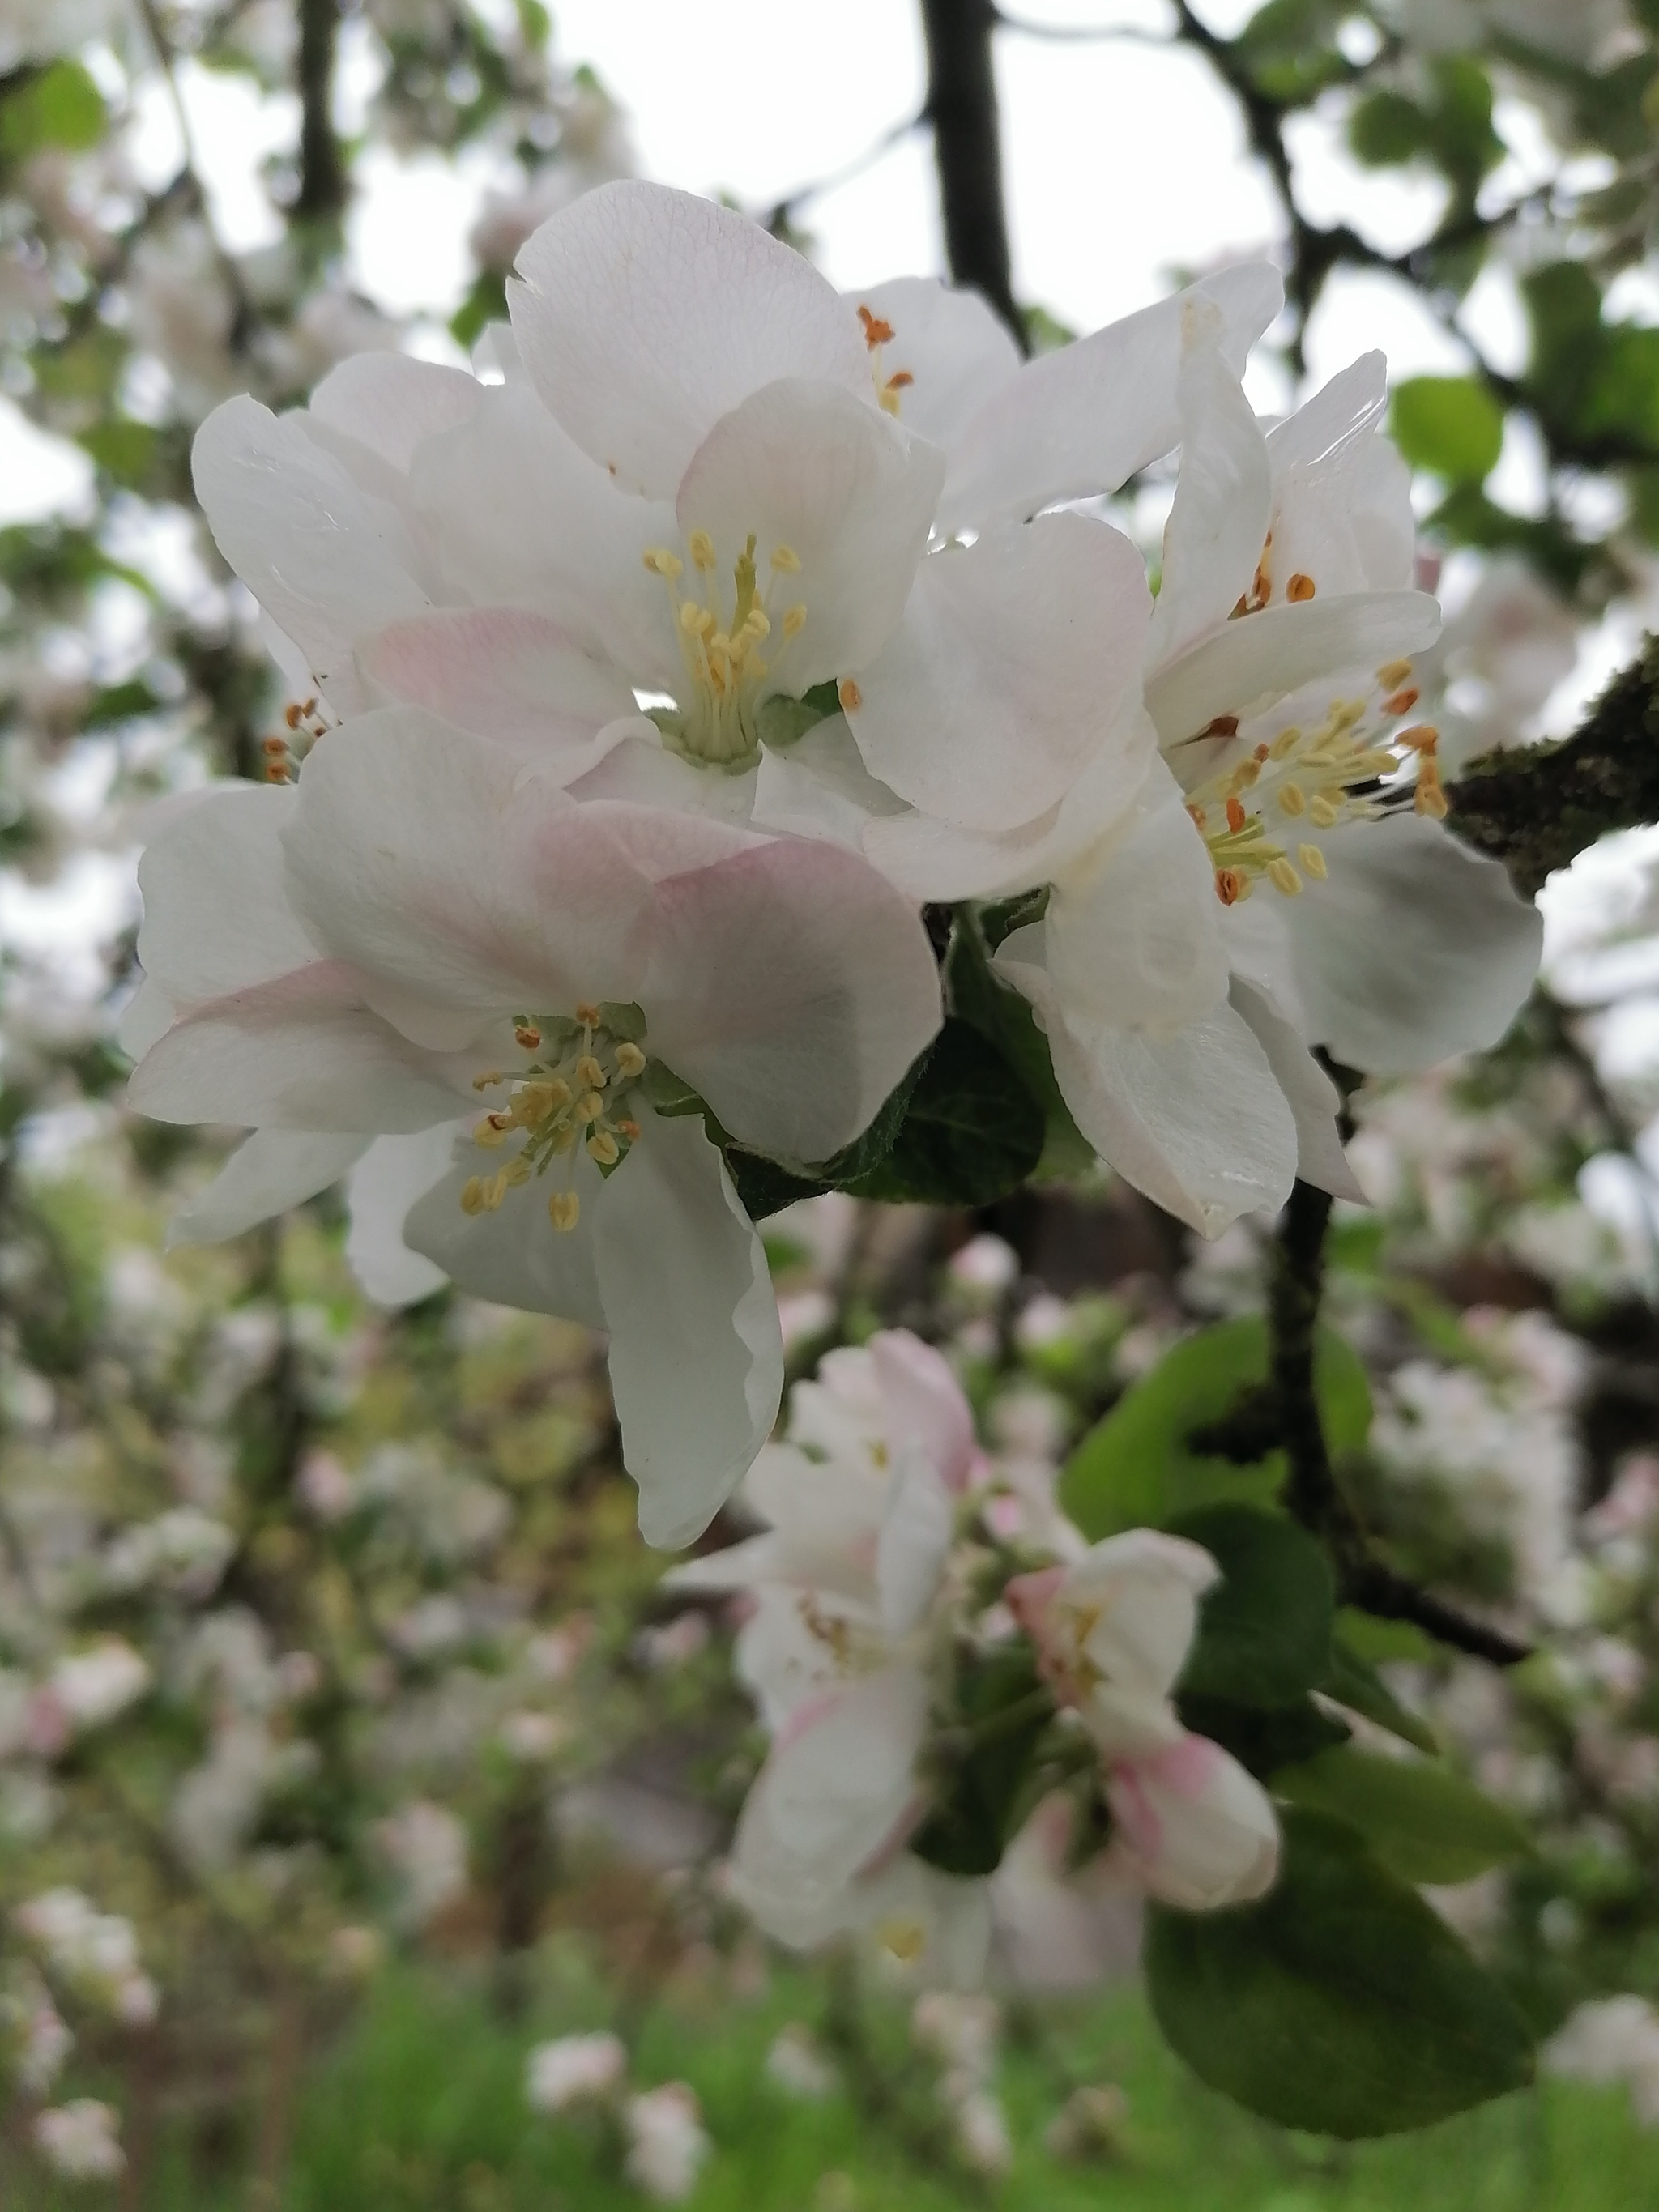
point(1340, 2003)
point(124, 449)
point(783, 722)
point(1355, 1683)
point(1264, 1629)
point(1004, 1709)
point(1423, 1822)
point(1137, 1469)
point(484, 304)
point(1449, 425)
point(766, 1186)
point(971, 1131)
point(979, 996)
point(60, 105)
point(1262, 1738)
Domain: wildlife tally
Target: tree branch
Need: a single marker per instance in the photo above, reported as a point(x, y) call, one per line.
point(962, 106)
point(322, 195)
point(1534, 807)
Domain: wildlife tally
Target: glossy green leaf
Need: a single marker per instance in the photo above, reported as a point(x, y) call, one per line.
point(1449, 425)
point(1264, 1629)
point(971, 1132)
point(1355, 1683)
point(1340, 2003)
point(1137, 1468)
point(1423, 1822)
point(980, 997)
point(1262, 1738)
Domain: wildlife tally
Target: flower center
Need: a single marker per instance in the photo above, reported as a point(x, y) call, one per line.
point(1289, 790)
point(720, 640)
point(574, 1088)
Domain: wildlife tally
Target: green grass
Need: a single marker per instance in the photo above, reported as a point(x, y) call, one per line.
point(421, 2109)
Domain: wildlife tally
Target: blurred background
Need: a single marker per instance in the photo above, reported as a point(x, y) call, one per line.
point(352, 1761)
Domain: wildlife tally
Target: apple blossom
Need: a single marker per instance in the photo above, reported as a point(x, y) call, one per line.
point(425, 923)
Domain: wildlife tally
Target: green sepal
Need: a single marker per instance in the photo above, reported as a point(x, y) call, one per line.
point(782, 723)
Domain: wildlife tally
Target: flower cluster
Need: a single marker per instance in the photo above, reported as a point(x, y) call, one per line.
point(661, 2136)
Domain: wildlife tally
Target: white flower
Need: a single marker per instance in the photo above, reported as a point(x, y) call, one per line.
point(796, 2065)
point(80, 2140)
point(573, 2069)
point(1611, 2040)
point(336, 978)
point(1112, 1632)
point(667, 2141)
point(86, 1690)
point(426, 1845)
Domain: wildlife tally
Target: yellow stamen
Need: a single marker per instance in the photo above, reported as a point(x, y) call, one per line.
point(1293, 800)
point(487, 1081)
point(1313, 861)
point(630, 1061)
point(849, 696)
point(587, 1014)
point(785, 559)
point(1283, 877)
point(563, 1209)
point(589, 1073)
point(603, 1147)
point(1393, 673)
point(1286, 742)
point(795, 622)
point(1322, 814)
point(661, 563)
point(490, 1133)
point(700, 546)
point(589, 1106)
point(905, 1939)
point(472, 1195)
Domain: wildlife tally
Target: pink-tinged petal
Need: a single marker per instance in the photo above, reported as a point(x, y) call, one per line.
point(1009, 674)
point(273, 1170)
point(327, 561)
point(1266, 656)
point(792, 987)
point(1194, 1119)
point(217, 916)
point(1200, 1830)
point(809, 468)
point(460, 883)
point(510, 676)
point(924, 1405)
point(391, 404)
point(1217, 528)
point(644, 314)
point(301, 1053)
point(951, 353)
point(1342, 506)
point(1313, 1098)
point(518, 515)
point(393, 1175)
point(827, 1803)
point(696, 1351)
point(1415, 948)
point(913, 1543)
point(1113, 1630)
point(1086, 417)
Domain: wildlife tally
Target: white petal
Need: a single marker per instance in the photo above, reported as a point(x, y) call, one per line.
point(915, 1538)
point(645, 314)
point(792, 987)
point(639, 770)
point(1342, 507)
point(1215, 535)
point(1009, 673)
point(1084, 418)
point(1134, 1599)
point(1265, 656)
point(1195, 1119)
point(145, 1019)
point(696, 1351)
point(1312, 1097)
point(520, 516)
point(956, 350)
point(1136, 942)
point(391, 404)
point(1416, 948)
point(327, 561)
point(923, 1405)
point(274, 1169)
point(301, 1053)
point(513, 1256)
point(392, 1176)
point(217, 916)
point(510, 676)
point(820, 788)
point(830, 1795)
point(808, 467)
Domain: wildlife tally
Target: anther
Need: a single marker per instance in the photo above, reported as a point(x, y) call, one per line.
point(1293, 800)
point(701, 547)
point(589, 1106)
point(563, 1209)
point(603, 1147)
point(1287, 741)
point(630, 1061)
point(528, 1036)
point(1283, 877)
point(1313, 861)
point(589, 1073)
point(1224, 726)
point(1230, 886)
point(661, 563)
point(878, 331)
point(1301, 587)
point(490, 1133)
point(628, 1128)
point(1322, 813)
point(1393, 673)
point(1400, 702)
point(487, 1081)
point(1421, 738)
point(849, 695)
point(1236, 816)
point(472, 1195)
point(587, 1014)
point(1260, 754)
point(275, 744)
point(795, 622)
point(785, 559)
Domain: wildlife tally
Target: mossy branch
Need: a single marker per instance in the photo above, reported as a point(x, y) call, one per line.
point(1536, 806)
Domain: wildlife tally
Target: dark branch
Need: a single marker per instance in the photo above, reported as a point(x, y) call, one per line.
point(962, 106)
point(1079, 33)
point(322, 194)
point(1534, 808)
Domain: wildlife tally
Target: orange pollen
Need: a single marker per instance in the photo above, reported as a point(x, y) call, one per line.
point(877, 330)
point(529, 1037)
point(275, 772)
point(1234, 814)
point(899, 378)
point(1229, 885)
point(1301, 587)
point(1421, 738)
point(849, 695)
point(1196, 816)
point(1399, 702)
point(273, 744)
point(1262, 752)
point(630, 1129)
point(1225, 725)
point(498, 1120)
